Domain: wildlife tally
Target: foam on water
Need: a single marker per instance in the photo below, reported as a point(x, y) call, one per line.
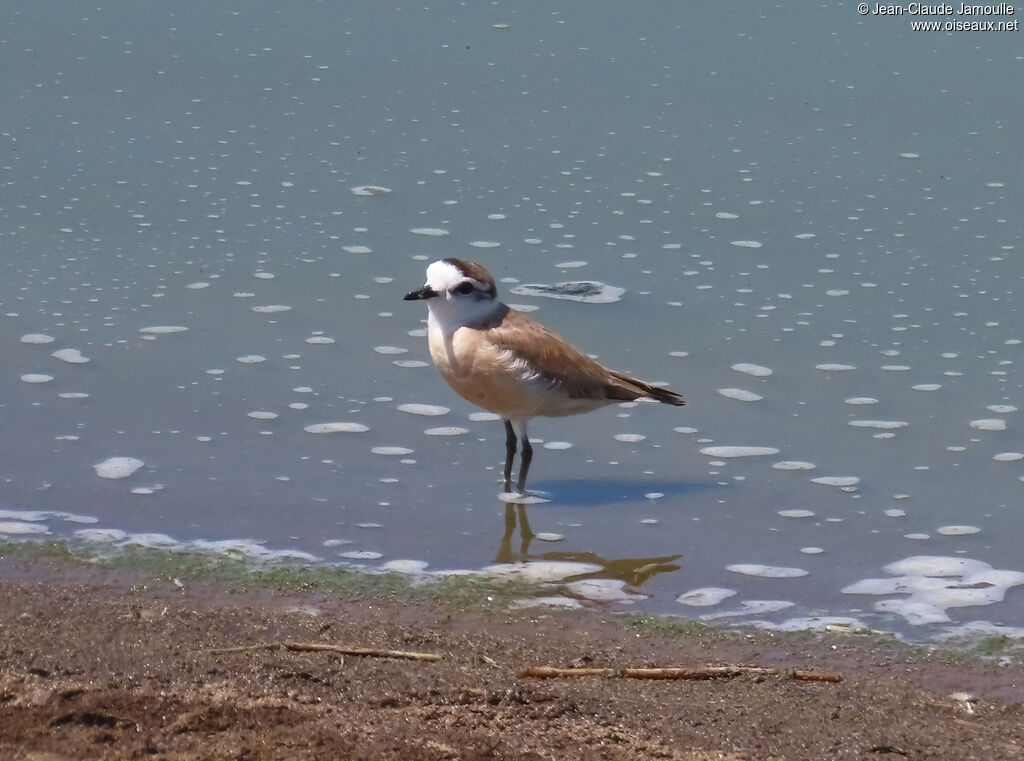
point(604, 590)
point(766, 571)
point(338, 427)
point(424, 409)
point(887, 425)
point(836, 480)
point(158, 330)
point(36, 338)
point(117, 467)
point(740, 395)
point(989, 424)
point(705, 596)
point(71, 356)
point(738, 451)
point(935, 584)
point(758, 371)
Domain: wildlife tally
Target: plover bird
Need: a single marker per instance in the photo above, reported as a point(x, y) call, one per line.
point(503, 361)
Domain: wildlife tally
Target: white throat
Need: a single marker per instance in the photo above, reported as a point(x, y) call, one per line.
point(447, 313)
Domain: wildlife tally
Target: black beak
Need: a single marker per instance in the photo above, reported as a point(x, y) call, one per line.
point(426, 292)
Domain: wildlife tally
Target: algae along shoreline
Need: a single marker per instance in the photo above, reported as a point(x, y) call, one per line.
point(120, 660)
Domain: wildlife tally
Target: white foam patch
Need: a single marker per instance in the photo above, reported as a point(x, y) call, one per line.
point(36, 338)
point(411, 567)
point(261, 415)
point(251, 359)
point(357, 249)
point(478, 417)
point(117, 467)
point(447, 430)
point(747, 243)
point(339, 427)
point(370, 190)
point(23, 528)
point(604, 590)
point(630, 438)
point(435, 232)
point(794, 465)
point(926, 387)
point(796, 513)
point(271, 308)
point(484, 243)
point(548, 536)
point(246, 547)
point(736, 451)
point(887, 425)
point(705, 597)
point(1008, 456)
point(518, 498)
point(36, 378)
point(410, 363)
point(536, 571)
point(163, 329)
point(936, 583)
point(322, 341)
point(392, 451)
point(834, 367)
point(811, 550)
point(101, 535)
point(989, 424)
point(861, 400)
point(361, 555)
point(740, 395)
point(957, 530)
point(1001, 409)
point(424, 409)
point(557, 445)
point(571, 265)
point(766, 571)
point(71, 356)
point(836, 480)
point(389, 350)
point(758, 371)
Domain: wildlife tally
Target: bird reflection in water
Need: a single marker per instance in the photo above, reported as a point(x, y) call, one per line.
point(633, 571)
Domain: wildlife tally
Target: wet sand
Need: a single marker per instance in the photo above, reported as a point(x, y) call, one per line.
point(105, 665)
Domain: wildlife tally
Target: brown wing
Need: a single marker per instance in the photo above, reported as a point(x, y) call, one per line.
point(565, 366)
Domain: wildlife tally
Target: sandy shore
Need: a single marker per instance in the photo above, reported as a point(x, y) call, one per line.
point(98, 665)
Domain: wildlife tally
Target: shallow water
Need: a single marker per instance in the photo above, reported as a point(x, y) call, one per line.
point(209, 217)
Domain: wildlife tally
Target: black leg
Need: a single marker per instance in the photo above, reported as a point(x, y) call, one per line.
point(524, 464)
point(510, 453)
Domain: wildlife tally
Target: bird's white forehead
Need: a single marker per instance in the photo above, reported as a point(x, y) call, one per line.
point(442, 275)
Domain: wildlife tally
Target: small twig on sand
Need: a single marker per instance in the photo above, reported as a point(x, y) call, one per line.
point(320, 647)
point(681, 672)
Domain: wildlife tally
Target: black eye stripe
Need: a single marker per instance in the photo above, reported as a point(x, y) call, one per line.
point(464, 288)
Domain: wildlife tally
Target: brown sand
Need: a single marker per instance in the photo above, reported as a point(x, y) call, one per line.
point(104, 667)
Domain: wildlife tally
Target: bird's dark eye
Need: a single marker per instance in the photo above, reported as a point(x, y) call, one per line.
point(464, 288)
